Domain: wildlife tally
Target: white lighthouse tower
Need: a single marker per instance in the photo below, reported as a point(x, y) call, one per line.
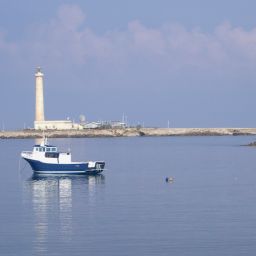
point(39, 111)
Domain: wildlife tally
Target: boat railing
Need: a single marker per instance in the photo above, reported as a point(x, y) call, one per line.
point(27, 152)
point(65, 153)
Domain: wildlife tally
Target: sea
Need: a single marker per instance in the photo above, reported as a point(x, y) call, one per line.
point(208, 209)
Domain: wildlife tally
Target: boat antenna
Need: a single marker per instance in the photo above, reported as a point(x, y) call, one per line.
point(45, 142)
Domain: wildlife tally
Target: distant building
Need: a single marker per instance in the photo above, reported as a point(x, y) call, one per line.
point(118, 124)
point(92, 125)
point(104, 125)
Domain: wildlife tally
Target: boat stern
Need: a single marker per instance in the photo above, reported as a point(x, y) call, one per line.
point(96, 166)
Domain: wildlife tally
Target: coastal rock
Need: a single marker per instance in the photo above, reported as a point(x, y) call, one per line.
point(253, 144)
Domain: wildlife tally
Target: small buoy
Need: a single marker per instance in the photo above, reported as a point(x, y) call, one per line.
point(169, 179)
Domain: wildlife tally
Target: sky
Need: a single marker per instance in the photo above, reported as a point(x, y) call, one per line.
point(189, 62)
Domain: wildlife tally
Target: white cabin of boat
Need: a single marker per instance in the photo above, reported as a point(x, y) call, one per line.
point(48, 154)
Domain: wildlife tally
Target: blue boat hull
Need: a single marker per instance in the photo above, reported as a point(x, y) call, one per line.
point(76, 168)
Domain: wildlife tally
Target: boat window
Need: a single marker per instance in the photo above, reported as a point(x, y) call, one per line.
point(40, 149)
point(54, 149)
point(52, 155)
point(48, 149)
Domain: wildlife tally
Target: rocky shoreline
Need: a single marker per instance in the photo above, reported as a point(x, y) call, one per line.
point(127, 132)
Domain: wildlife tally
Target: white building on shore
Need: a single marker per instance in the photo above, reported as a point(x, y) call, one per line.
point(57, 125)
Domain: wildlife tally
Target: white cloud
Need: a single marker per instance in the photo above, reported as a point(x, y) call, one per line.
point(145, 40)
point(67, 40)
point(70, 17)
point(237, 42)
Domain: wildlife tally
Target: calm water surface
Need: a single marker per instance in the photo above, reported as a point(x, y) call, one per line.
point(210, 209)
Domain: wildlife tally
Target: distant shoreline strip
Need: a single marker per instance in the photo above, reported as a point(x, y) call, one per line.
point(127, 132)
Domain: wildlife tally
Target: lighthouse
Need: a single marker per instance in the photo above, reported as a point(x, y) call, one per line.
point(39, 111)
point(40, 123)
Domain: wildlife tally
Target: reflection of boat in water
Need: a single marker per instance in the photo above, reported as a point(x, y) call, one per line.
point(55, 200)
point(46, 159)
point(85, 179)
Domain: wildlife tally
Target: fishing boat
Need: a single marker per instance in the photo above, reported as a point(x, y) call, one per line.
point(46, 159)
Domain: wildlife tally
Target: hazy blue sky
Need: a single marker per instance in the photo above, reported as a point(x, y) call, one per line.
point(191, 62)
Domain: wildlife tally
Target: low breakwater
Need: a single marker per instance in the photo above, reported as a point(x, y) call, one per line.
point(127, 132)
